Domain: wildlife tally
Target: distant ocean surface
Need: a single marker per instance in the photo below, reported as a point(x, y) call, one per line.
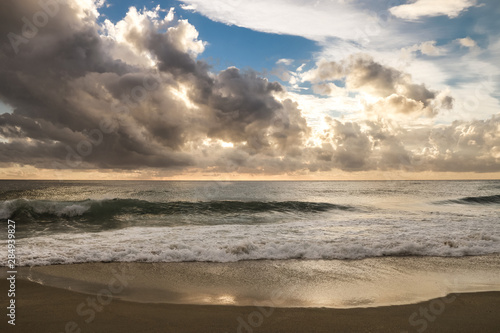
point(134, 221)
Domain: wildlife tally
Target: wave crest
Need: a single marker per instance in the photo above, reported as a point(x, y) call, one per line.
point(481, 200)
point(113, 207)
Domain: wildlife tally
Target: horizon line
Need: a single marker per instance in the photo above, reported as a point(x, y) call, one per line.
point(256, 180)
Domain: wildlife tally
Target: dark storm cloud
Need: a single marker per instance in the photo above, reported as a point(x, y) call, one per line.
point(79, 104)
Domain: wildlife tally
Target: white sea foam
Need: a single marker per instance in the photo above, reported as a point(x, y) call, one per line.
point(354, 239)
point(57, 208)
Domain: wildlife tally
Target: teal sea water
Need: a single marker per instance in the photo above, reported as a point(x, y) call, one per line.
point(144, 221)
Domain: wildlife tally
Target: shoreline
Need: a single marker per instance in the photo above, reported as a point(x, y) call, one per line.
point(49, 309)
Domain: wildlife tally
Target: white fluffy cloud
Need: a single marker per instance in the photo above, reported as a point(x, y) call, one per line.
point(422, 8)
point(467, 42)
point(390, 90)
point(384, 145)
point(316, 21)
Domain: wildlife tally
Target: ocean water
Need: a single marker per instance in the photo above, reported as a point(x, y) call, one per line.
point(136, 221)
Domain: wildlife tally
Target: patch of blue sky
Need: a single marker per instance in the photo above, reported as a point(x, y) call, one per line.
point(245, 48)
point(5, 108)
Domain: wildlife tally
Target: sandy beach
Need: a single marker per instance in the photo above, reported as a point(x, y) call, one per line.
point(47, 309)
point(406, 294)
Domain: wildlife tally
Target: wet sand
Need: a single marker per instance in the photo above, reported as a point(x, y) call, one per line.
point(370, 282)
point(391, 294)
point(48, 309)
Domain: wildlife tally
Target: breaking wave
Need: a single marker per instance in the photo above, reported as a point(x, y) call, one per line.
point(106, 209)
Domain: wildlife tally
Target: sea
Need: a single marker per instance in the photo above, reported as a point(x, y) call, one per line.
point(66, 222)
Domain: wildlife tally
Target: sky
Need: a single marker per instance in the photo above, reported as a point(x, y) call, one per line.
point(257, 90)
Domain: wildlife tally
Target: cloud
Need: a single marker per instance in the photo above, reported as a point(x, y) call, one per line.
point(293, 17)
point(325, 71)
point(467, 42)
point(424, 8)
point(464, 146)
point(384, 145)
point(286, 62)
point(427, 48)
point(188, 7)
point(394, 91)
point(329, 88)
point(133, 96)
point(352, 147)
